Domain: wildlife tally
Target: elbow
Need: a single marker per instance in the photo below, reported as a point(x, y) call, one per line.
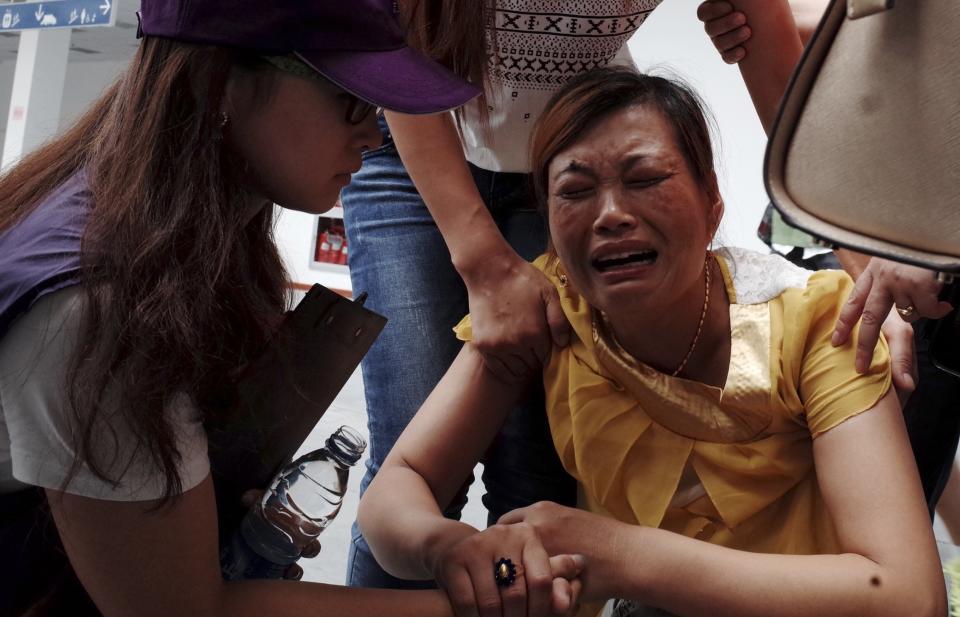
point(931, 604)
point(927, 598)
point(367, 510)
point(931, 596)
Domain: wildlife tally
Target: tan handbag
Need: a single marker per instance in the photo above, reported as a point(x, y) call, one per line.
point(865, 153)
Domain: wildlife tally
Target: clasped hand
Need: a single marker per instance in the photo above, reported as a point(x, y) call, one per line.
point(544, 585)
point(561, 555)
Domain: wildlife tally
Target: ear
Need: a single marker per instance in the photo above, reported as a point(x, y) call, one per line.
point(715, 213)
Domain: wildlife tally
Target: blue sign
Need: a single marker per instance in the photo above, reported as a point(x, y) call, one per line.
point(57, 14)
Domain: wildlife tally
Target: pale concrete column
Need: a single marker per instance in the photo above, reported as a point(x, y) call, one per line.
point(37, 91)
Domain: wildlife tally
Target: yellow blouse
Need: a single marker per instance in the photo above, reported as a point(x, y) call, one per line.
point(731, 466)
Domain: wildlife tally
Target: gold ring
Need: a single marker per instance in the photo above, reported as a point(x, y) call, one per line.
point(907, 311)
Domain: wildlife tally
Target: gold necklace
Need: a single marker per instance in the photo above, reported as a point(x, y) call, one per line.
point(703, 316)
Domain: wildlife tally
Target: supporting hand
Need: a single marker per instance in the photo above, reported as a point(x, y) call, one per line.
point(882, 285)
point(516, 317)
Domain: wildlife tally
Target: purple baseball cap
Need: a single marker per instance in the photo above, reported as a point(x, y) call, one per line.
point(356, 44)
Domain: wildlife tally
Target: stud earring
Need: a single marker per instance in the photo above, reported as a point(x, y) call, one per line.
point(223, 121)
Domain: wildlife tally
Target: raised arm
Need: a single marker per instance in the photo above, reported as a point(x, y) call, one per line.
point(516, 311)
point(888, 565)
point(771, 54)
point(762, 36)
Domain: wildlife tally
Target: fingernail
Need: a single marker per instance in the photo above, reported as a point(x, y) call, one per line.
point(835, 339)
point(908, 379)
point(579, 560)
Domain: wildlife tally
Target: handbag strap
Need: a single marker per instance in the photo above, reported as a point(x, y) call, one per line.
point(863, 8)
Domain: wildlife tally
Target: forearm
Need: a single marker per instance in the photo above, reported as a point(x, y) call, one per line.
point(401, 511)
point(661, 568)
point(773, 51)
point(298, 599)
point(433, 157)
point(406, 538)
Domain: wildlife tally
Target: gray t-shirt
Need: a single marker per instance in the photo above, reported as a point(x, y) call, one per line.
point(35, 427)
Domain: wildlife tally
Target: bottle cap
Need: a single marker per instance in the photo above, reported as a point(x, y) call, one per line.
point(346, 445)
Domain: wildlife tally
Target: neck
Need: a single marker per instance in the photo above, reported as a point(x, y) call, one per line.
point(663, 338)
point(254, 204)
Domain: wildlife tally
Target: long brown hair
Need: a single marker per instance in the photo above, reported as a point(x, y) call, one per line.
point(180, 283)
point(452, 32)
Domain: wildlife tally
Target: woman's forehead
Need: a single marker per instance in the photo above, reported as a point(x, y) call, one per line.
point(635, 133)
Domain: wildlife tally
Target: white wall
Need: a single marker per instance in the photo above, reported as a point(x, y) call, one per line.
point(85, 82)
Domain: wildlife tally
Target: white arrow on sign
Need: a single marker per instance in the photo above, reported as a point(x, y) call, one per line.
point(39, 13)
point(105, 7)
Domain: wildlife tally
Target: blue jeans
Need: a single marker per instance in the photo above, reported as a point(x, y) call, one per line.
point(399, 258)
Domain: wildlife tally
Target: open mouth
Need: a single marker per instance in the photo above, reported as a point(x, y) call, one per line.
point(625, 260)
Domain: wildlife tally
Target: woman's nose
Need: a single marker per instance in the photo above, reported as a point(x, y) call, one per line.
point(612, 214)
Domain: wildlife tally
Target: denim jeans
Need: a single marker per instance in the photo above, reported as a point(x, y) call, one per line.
point(399, 258)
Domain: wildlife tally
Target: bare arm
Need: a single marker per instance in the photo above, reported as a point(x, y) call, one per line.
point(428, 464)
point(762, 37)
point(888, 565)
point(772, 52)
point(401, 518)
point(515, 309)
point(136, 560)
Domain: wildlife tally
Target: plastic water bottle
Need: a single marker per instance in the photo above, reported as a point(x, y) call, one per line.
point(303, 498)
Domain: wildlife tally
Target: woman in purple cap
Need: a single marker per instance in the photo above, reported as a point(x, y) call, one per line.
point(432, 241)
point(138, 272)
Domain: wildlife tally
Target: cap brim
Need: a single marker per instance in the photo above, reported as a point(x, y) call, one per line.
point(400, 80)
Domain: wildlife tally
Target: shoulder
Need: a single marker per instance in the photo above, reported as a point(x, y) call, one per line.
point(36, 356)
point(41, 253)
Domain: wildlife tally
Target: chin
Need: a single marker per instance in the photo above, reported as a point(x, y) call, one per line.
point(317, 205)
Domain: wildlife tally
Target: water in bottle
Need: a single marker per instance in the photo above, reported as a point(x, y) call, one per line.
point(303, 498)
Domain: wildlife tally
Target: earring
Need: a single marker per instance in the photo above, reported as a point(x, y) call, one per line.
point(223, 121)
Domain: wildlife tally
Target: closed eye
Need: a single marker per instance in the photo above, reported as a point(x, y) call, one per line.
point(574, 192)
point(642, 183)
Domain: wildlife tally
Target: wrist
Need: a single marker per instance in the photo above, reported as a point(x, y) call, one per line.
point(483, 256)
point(615, 570)
point(439, 541)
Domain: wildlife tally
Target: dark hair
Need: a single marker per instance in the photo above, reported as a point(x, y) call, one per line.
point(181, 284)
point(594, 95)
